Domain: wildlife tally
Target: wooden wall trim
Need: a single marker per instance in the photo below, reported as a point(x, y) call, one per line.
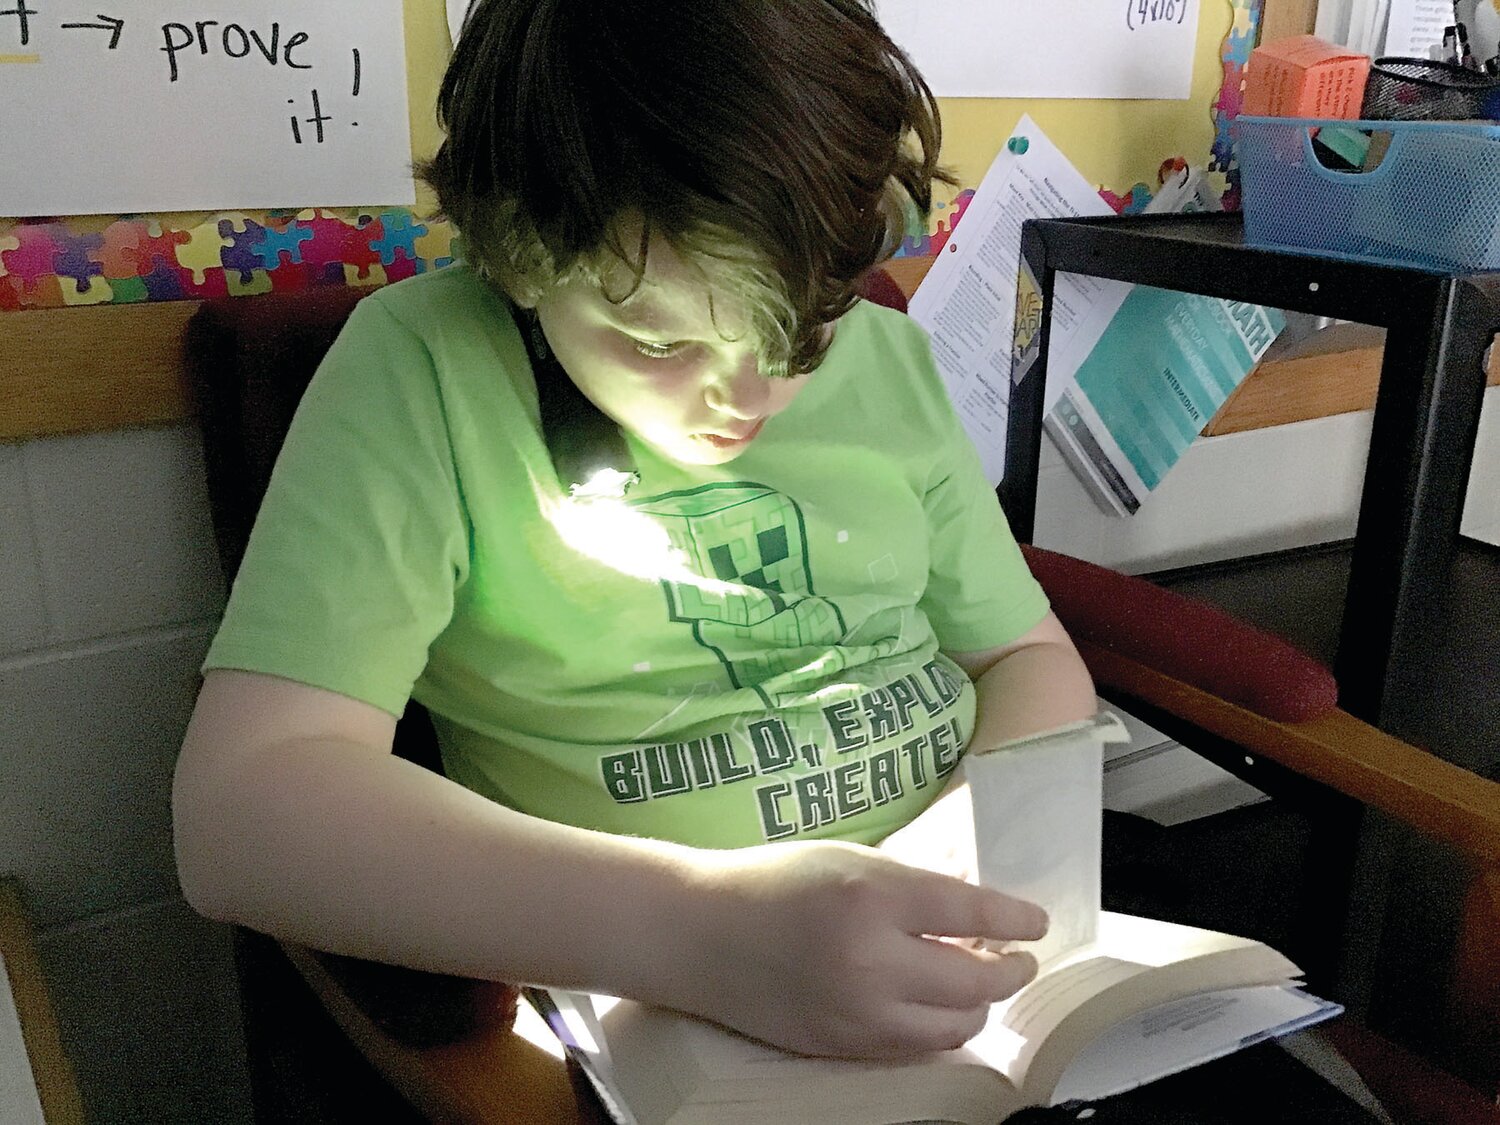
point(1282, 18)
point(83, 369)
point(79, 370)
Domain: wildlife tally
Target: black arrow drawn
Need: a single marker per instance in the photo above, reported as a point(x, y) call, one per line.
point(111, 24)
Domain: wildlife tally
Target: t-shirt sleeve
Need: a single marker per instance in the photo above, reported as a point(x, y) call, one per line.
point(980, 593)
point(362, 538)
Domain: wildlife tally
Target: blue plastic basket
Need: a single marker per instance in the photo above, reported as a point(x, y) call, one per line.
point(1433, 201)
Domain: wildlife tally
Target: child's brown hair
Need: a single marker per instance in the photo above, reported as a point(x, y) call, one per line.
point(777, 144)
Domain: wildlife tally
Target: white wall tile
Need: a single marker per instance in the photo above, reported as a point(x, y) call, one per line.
point(124, 532)
point(89, 743)
point(149, 1016)
point(23, 616)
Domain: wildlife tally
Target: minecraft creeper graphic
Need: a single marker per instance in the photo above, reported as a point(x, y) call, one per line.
point(758, 612)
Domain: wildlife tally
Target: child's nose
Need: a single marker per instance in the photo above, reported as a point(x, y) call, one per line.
point(742, 393)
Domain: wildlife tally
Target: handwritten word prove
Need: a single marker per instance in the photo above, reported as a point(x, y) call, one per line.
point(191, 105)
point(234, 40)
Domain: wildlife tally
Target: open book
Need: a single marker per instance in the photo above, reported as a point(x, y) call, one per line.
point(1119, 1000)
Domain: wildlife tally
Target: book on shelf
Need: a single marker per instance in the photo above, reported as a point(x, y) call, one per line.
point(1118, 1001)
point(1156, 777)
point(1155, 378)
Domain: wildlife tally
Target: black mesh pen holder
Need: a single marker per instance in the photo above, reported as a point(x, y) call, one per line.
point(1425, 90)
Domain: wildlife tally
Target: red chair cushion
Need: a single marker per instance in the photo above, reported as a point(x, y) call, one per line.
point(1184, 638)
point(880, 288)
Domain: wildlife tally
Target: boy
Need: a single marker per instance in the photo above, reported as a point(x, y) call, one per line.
point(676, 709)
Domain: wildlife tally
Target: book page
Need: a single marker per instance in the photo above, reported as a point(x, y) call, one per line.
point(576, 1019)
point(670, 1067)
point(1184, 1033)
point(1135, 963)
point(1038, 819)
point(1017, 1028)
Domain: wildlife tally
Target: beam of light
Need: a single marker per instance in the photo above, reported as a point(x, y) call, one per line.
point(625, 539)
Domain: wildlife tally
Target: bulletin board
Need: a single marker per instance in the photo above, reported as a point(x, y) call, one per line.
point(96, 260)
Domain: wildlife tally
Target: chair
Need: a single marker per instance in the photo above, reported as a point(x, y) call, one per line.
point(1187, 668)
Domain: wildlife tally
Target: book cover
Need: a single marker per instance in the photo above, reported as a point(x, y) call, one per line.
point(1160, 371)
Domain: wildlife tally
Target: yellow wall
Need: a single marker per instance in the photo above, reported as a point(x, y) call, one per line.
point(427, 50)
point(1116, 144)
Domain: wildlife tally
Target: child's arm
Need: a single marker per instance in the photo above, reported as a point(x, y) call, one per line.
point(292, 817)
point(1033, 684)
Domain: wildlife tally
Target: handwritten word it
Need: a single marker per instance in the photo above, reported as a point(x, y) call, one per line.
point(234, 40)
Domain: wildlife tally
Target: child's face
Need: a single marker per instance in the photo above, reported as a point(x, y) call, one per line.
point(677, 373)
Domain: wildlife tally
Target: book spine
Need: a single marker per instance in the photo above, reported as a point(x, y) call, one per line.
point(1081, 449)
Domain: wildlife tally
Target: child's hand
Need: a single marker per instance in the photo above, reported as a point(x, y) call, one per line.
point(829, 949)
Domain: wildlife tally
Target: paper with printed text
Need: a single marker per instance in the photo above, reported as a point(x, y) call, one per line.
point(967, 302)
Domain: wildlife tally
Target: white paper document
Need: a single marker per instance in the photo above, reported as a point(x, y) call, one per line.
point(1416, 26)
point(967, 302)
point(1056, 49)
point(202, 105)
point(457, 10)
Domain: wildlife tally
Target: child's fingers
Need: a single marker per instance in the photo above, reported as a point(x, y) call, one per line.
point(950, 976)
point(946, 907)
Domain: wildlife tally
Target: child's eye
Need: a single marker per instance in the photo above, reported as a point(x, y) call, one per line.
point(656, 351)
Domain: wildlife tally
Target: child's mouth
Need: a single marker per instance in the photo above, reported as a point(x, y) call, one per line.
point(725, 441)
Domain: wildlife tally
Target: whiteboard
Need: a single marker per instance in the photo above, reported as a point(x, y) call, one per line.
point(1049, 48)
point(193, 105)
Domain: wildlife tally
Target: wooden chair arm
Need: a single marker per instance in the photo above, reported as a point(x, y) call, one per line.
point(490, 1076)
point(1438, 798)
point(45, 1053)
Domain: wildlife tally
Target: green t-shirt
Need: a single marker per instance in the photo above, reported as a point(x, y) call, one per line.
point(730, 655)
